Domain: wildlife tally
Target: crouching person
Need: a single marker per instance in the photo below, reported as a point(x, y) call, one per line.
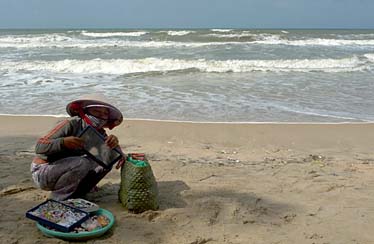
point(60, 165)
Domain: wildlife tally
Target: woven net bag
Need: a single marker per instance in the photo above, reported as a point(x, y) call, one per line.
point(138, 190)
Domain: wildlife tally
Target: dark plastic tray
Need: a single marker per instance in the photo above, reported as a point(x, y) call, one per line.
point(57, 226)
point(96, 148)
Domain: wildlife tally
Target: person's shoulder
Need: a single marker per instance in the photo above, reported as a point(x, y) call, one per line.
point(75, 120)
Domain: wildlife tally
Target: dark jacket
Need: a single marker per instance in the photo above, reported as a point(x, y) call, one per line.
point(49, 148)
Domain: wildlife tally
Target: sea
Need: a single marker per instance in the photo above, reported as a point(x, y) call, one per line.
point(199, 75)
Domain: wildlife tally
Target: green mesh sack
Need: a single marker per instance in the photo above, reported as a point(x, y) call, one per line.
point(138, 190)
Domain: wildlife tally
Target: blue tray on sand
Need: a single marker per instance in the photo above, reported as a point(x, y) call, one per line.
point(64, 227)
point(81, 236)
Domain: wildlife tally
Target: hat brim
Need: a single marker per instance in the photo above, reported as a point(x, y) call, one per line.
point(75, 107)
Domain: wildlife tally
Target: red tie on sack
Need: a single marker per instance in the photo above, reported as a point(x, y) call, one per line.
point(137, 156)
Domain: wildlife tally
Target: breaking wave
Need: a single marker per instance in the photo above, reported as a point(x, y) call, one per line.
point(128, 66)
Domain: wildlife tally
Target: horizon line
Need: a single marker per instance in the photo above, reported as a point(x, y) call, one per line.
point(186, 28)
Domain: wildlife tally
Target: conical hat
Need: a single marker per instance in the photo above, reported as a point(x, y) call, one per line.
point(75, 108)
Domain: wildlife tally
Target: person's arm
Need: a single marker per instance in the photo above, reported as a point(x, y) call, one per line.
point(57, 139)
point(122, 160)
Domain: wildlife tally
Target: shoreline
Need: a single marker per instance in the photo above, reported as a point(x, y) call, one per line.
point(200, 122)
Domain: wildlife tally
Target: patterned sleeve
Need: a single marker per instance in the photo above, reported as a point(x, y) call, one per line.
point(53, 141)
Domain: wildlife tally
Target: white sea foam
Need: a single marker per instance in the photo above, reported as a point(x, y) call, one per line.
point(113, 34)
point(179, 33)
point(355, 36)
point(256, 36)
point(316, 42)
point(221, 30)
point(13, 41)
point(369, 56)
point(231, 35)
point(127, 66)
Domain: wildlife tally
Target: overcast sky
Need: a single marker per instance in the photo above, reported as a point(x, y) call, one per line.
point(187, 14)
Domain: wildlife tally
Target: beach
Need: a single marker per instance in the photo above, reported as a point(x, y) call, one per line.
point(259, 183)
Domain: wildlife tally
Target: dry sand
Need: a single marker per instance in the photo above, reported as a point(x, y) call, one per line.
point(219, 183)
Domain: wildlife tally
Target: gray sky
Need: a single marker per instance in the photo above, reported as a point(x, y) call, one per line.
point(187, 14)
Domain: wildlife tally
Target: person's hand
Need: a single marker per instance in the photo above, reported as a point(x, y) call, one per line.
point(120, 163)
point(72, 142)
point(112, 141)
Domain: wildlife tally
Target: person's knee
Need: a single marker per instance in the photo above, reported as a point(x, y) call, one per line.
point(64, 173)
point(87, 164)
point(79, 169)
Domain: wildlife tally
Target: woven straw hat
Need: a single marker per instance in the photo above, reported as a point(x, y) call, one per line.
point(76, 107)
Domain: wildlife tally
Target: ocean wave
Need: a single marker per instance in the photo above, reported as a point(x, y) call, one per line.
point(355, 36)
point(179, 33)
point(221, 30)
point(13, 41)
point(113, 34)
point(129, 66)
point(315, 42)
point(83, 44)
point(231, 35)
point(326, 114)
point(64, 41)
